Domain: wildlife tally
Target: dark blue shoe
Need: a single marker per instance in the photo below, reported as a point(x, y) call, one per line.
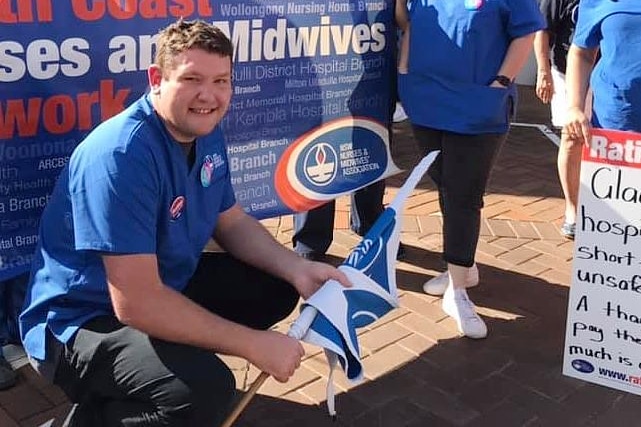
point(568, 229)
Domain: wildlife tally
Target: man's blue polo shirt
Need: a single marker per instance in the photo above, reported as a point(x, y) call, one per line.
point(615, 27)
point(127, 190)
point(456, 50)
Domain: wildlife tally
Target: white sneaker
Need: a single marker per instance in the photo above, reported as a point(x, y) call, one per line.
point(457, 305)
point(399, 113)
point(437, 285)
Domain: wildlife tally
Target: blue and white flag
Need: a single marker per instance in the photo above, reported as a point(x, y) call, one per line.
point(334, 312)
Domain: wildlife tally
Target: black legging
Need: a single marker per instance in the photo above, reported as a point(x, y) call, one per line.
point(122, 377)
point(461, 173)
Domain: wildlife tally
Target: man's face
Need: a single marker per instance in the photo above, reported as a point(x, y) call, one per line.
point(193, 95)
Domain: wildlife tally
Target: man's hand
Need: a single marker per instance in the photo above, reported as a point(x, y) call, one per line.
point(544, 86)
point(276, 354)
point(309, 276)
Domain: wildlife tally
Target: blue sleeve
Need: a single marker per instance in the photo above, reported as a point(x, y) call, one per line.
point(525, 18)
point(588, 26)
point(229, 198)
point(114, 197)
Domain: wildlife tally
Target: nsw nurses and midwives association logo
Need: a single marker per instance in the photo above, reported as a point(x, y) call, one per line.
point(321, 164)
point(211, 163)
point(334, 159)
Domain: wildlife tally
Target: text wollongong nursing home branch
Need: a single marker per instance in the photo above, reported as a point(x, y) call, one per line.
point(62, 113)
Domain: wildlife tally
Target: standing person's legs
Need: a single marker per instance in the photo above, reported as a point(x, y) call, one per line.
point(122, 376)
point(314, 230)
point(569, 156)
point(367, 203)
point(466, 165)
point(366, 207)
point(569, 167)
point(461, 173)
point(558, 103)
point(429, 140)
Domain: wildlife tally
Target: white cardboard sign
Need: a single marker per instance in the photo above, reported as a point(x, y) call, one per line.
point(603, 331)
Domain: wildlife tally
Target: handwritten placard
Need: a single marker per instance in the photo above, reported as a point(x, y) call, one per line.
point(603, 332)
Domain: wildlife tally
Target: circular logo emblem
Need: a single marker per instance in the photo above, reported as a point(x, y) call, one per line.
point(473, 4)
point(177, 207)
point(331, 160)
point(582, 366)
point(320, 164)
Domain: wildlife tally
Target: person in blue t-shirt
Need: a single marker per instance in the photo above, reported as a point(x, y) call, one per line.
point(459, 93)
point(123, 311)
point(611, 29)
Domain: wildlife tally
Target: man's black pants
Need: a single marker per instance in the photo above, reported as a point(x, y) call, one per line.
point(122, 377)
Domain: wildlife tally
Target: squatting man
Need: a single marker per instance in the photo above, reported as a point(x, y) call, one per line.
point(123, 311)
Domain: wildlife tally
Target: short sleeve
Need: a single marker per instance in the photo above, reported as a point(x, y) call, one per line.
point(228, 196)
point(114, 198)
point(587, 33)
point(547, 8)
point(525, 18)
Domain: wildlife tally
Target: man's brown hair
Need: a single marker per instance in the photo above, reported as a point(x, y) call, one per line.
point(183, 35)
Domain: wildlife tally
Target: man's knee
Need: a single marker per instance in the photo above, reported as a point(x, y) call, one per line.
point(205, 400)
point(160, 382)
point(196, 403)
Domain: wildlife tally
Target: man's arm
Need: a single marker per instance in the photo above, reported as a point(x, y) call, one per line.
point(248, 240)
point(544, 82)
point(142, 301)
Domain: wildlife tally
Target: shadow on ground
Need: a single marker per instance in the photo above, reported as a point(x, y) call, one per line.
point(512, 378)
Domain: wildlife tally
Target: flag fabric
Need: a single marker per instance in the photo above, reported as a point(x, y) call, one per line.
point(331, 317)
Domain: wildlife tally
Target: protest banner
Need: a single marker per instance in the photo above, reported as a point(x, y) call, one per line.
point(603, 331)
point(307, 122)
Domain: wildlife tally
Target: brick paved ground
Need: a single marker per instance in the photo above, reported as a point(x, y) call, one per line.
point(419, 372)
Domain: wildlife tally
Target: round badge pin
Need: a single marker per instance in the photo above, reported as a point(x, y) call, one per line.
point(176, 208)
point(473, 4)
point(206, 171)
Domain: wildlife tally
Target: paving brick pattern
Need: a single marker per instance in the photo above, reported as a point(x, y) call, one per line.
point(418, 370)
